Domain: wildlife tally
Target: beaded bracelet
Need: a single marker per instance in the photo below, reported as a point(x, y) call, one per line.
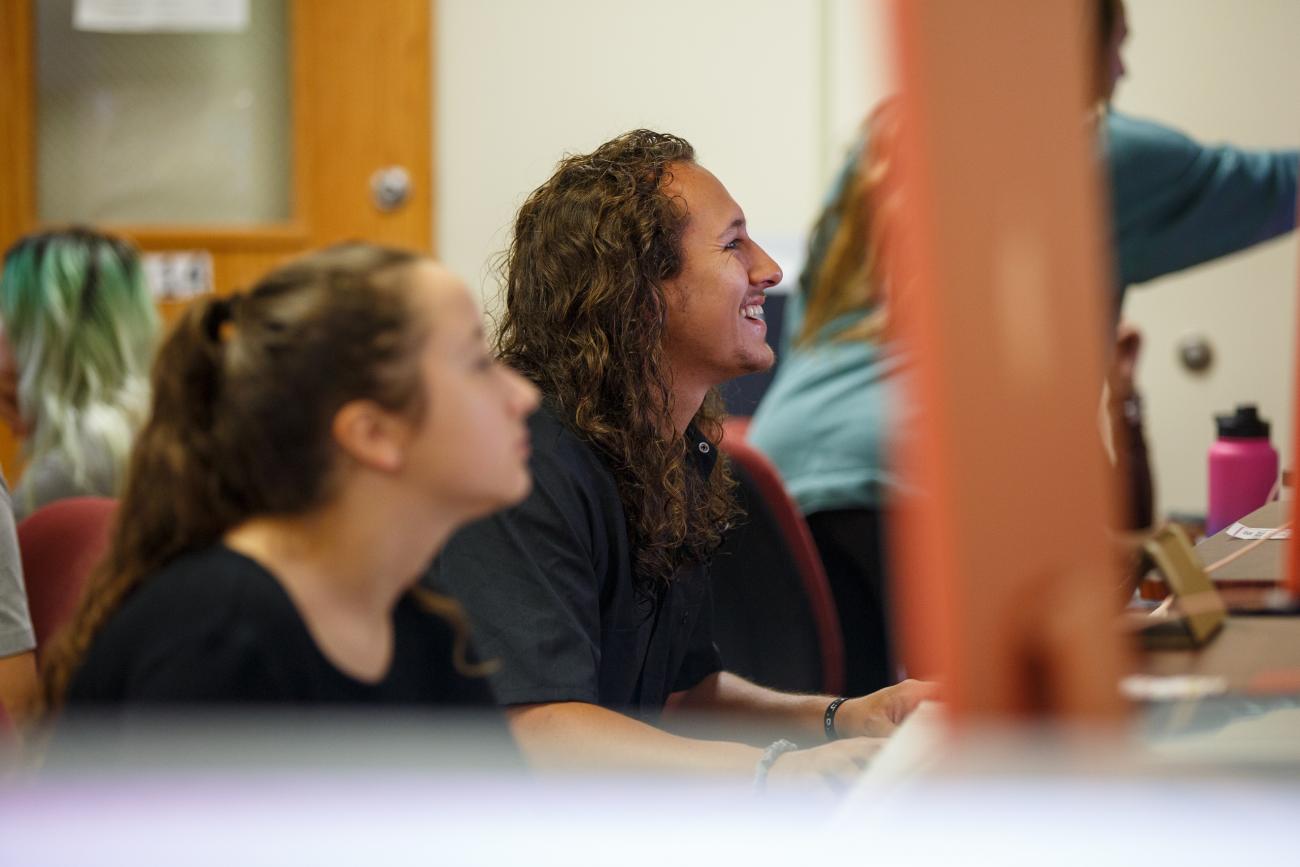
point(774, 751)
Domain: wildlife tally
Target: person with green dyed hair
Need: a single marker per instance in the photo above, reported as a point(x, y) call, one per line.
point(79, 332)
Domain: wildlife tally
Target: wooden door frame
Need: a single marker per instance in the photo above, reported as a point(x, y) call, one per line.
point(315, 29)
point(17, 121)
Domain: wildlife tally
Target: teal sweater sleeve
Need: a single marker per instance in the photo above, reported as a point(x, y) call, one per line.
point(1177, 203)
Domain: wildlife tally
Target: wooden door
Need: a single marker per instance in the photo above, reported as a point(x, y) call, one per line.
point(361, 95)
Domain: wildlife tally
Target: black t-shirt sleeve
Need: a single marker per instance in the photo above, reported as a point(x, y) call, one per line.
point(529, 579)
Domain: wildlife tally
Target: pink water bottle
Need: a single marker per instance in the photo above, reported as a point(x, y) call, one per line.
point(1243, 467)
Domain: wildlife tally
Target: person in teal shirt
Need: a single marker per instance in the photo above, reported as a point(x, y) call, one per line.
point(836, 398)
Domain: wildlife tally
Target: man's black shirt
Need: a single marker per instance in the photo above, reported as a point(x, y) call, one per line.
point(548, 587)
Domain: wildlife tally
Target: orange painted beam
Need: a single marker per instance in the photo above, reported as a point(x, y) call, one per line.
point(1291, 583)
point(999, 273)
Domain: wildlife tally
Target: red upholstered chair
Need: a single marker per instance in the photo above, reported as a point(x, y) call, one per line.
point(61, 544)
point(775, 617)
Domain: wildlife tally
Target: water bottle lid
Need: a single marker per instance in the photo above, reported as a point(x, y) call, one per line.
point(1245, 424)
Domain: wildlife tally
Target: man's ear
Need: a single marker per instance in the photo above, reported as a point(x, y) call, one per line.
point(371, 435)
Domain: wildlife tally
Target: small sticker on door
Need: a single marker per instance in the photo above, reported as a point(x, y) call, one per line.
point(178, 275)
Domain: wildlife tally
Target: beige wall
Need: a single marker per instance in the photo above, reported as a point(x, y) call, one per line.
point(1222, 70)
point(768, 91)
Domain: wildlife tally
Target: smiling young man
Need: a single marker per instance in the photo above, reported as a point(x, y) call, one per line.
point(633, 289)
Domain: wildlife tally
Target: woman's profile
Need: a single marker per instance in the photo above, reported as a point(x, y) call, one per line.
point(311, 445)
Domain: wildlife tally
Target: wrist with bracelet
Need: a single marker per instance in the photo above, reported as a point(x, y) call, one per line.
point(774, 751)
point(828, 719)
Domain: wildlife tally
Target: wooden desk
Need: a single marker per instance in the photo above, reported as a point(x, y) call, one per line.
point(1255, 654)
point(1248, 583)
point(1263, 564)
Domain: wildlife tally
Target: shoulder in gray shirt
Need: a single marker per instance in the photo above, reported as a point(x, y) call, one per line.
point(16, 634)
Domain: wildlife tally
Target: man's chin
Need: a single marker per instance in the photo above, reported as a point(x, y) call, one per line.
point(754, 364)
point(765, 364)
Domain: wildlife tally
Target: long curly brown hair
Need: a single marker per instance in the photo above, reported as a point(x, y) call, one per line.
point(584, 319)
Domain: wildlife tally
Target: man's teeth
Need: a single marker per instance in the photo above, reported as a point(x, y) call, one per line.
point(753, 311)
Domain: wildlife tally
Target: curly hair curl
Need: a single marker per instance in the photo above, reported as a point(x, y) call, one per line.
point(584, 319)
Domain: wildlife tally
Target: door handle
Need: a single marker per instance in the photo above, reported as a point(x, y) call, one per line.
point(1196, 353)
point(390, 187)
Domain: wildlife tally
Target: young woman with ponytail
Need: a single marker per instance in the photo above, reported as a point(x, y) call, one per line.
point(311, 445)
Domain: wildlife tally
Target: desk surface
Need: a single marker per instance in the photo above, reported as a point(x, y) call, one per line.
point(1254, 654)
point(1263, 564)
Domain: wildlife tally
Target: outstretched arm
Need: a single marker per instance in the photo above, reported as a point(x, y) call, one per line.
point(577, 734)
point(800, 717)
point(1177, 203)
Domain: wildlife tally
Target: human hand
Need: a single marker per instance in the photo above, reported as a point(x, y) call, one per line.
point(878, 714)
point(830, 767)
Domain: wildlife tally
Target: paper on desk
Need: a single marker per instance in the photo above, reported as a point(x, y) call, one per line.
point(1177, 687)
point(1240, 531)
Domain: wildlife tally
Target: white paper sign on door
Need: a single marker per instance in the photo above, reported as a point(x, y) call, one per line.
point(178, 275)
point(161, 16)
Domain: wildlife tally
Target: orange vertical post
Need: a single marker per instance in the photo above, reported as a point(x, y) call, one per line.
point(1004, 580)
point(1291, 582)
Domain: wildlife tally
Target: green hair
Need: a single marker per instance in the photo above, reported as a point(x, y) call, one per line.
point(83, 328)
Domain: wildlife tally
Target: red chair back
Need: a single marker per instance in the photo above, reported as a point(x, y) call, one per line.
point(800, 545)
point(61, 544)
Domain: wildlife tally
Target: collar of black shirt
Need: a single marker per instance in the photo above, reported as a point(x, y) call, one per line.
point(703, 454)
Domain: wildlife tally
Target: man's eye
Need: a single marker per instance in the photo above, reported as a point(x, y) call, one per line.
point(732, 245)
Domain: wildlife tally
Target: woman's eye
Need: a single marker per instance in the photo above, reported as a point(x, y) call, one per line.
point(732, 245)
